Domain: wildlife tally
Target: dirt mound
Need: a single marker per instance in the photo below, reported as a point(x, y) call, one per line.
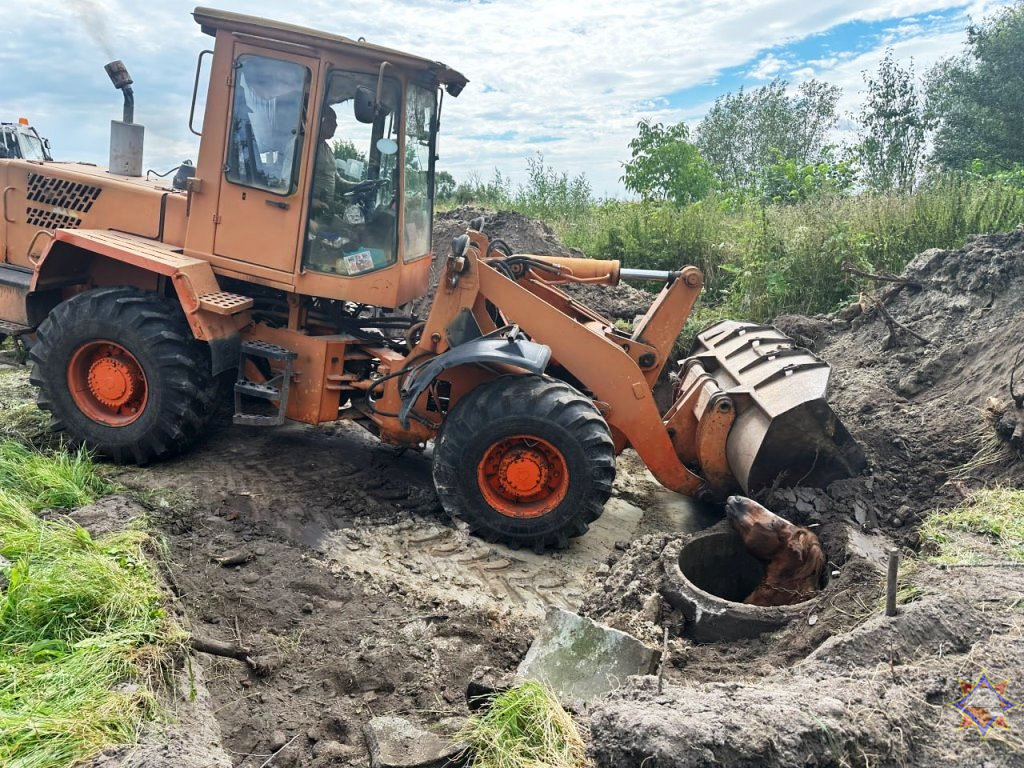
point(523, 234)
point(526, 235)
point(917, 405)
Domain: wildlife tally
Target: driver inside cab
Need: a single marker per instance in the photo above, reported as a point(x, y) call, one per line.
point(327, 181)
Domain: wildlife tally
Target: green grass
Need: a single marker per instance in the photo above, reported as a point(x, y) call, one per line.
point(988, 527)
point(61, 479)
point(80, 619)
point(524, 727)
point(760, 260)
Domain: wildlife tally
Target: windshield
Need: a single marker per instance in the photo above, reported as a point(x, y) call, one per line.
point(15, 142)
point(31, 147)
point(352, 215)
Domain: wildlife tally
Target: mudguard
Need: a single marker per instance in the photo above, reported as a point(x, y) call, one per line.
point(512, 350)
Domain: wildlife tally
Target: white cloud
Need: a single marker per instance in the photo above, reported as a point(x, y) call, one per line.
point(767, 68)
point(582, 73)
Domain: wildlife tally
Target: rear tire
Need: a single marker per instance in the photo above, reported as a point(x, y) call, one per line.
point(525, 460)
point(120, 372)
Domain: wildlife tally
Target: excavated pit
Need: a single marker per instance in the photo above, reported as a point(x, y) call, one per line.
point(707, 577)
point(720, 565)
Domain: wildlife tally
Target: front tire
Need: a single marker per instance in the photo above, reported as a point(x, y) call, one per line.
point(525, 460)
point(120, 372)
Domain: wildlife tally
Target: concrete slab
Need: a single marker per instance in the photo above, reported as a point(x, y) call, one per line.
point(581, 659)
point(394, 742)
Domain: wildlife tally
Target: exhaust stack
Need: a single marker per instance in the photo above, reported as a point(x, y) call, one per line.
point(126, 138)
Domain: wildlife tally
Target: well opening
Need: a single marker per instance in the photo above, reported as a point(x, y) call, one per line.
point(719, 564)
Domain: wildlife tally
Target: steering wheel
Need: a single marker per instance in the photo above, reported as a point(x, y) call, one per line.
point(363, 193)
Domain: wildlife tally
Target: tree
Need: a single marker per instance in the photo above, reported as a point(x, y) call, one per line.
point(346, 150)
point(444, 185)
point(787, 181)
point(977, 98)
point(747, 131)
point(666, 166)
point(893, 128)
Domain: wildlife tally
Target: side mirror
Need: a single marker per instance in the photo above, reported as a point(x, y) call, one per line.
point(365, 105)
point(387, 146)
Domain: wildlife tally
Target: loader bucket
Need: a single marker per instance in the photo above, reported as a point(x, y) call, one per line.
point(784, 431)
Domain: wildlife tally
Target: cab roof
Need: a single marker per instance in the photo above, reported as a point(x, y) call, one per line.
point(210, 20)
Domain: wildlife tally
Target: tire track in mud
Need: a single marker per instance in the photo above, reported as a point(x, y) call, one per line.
point(371, 511)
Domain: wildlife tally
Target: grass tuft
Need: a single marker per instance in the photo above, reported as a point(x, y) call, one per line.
point(80, 618)
point(988, 527)
point(61, 479)
point(524, 727)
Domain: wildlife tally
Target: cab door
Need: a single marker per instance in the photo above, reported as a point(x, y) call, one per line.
point(260, 210)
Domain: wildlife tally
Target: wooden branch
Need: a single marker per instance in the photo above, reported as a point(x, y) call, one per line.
point(883, 277)
point(270, 759)
point(220, 648)
point(894, 324)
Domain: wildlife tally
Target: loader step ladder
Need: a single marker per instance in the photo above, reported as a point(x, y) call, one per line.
point(224, 303)
point(274, 389)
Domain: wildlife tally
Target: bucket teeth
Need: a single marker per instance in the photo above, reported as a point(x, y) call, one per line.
point(784, 433)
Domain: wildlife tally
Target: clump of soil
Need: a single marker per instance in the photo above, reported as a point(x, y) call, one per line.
point(919, 409)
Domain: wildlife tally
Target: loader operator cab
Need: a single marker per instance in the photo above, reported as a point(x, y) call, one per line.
point(316, 162)
point(20, 140)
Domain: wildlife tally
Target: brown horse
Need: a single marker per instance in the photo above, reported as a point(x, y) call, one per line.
point(792, 556)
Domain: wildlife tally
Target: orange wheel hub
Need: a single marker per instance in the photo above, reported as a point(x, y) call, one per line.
point(523, 476)
point(107, 383)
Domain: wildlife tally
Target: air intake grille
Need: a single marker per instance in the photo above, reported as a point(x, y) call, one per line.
point(69, 195)
point(37, 217)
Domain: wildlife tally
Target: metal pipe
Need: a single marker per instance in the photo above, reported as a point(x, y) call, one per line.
point(118, 74)
point(129, 104)
point(658, 275)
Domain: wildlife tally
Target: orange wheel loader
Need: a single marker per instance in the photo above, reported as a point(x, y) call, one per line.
point(289, 266)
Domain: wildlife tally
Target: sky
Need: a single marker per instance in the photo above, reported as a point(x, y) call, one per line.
point(567, 79)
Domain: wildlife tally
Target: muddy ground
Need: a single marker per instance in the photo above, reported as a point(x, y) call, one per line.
point(361, 598)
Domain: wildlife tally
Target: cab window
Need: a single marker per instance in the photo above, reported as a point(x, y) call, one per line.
point(353, 220)
point(267, 115)
point(418, 202)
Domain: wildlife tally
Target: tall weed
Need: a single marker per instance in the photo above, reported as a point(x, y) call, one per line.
point(761, 260)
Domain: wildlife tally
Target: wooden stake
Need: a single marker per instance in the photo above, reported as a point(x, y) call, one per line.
point(890, 591)
point(664, 660)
